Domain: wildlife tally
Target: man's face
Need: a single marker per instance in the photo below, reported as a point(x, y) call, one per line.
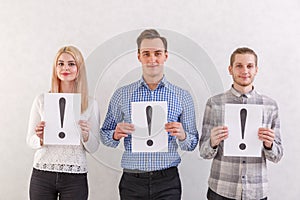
point(243, 70)
point(152, 55)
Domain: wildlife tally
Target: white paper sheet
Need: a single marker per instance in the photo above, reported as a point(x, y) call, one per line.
point(149, 118)
point(62, 113)
point(238, 116)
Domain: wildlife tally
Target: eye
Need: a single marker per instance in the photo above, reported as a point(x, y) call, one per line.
point(60, 64)
point(250, 66)
point(239, 66)
point(146, 54)
point(72, 64)
point(158, 53)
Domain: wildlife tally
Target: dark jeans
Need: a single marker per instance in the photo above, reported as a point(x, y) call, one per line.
point(46, 185)
point(156, 185)
point(211, 195)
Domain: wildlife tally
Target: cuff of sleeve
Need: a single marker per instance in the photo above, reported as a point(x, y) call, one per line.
point(212, 150)
point(92, 144)
point(269, 151)
point(114, 143)
point(184, 144)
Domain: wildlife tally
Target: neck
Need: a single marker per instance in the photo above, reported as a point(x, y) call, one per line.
point(152, 82)
point(243, 89)
point(67, 87)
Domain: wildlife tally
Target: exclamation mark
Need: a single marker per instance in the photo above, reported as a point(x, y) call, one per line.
point(243, 116)
point(62, 106)
point(149, 122)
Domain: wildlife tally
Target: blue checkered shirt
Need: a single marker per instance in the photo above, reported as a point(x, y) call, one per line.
point(239, 177)
point(180, 109)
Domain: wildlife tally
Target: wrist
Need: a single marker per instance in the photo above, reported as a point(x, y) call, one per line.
point(41, 142)
point(269, 147)
point(213, 146)
point(114, 137)
point(183, 137)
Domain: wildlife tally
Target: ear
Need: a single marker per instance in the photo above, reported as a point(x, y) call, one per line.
point(230, 69)
point(139, 56)
point(166, 56)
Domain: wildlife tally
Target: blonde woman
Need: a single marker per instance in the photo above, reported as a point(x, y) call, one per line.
point(61, 170)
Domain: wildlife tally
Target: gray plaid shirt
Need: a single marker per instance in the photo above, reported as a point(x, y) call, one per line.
point(239, 177)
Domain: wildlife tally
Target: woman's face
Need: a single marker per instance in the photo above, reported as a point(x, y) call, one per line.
point(66, 68)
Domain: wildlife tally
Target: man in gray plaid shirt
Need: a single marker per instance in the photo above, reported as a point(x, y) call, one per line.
point(240, 177)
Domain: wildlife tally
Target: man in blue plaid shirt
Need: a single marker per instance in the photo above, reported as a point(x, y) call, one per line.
point(151, 175)
point(240, 177)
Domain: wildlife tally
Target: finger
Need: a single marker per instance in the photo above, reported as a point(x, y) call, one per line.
point(126, 129)
point(84, 128)
point(121, 135)
point(222, 136)
point(173, 130)
point(266, 134)
point(266, 138)
point(172, 124)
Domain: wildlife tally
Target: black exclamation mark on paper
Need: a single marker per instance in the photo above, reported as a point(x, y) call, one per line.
point(149, 121)
point(243, 116)
point(62, 106)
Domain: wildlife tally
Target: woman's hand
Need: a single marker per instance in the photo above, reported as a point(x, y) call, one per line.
point(39, 131)
point(85, 128)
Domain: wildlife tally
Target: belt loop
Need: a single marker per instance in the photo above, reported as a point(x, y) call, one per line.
point(163, 173)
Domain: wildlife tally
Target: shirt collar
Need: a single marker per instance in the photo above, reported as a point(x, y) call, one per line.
point(238, 94)
point(163, 82)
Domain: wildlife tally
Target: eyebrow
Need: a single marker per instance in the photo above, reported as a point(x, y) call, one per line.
point(70, 61)
point(156, 51)
point(239, 63)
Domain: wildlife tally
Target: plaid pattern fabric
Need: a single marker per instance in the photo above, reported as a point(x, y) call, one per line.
point(180, 109)
point(239, 177)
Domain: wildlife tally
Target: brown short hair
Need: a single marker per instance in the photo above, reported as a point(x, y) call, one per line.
point(242, 50)
point(150, 34)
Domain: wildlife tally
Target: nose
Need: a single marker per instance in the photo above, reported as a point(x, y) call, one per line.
point(245, 69)
point(66, 67)
point(152, 57)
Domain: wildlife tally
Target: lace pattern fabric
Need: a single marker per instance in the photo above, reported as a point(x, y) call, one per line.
point(63, 158)
point(69, 159)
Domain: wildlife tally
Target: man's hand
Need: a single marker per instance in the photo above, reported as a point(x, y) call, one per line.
point(175, 129)
point(122, 130)
point(266, 135)
point(217, 135)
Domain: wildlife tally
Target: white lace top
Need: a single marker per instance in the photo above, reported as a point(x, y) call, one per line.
point(63, 158)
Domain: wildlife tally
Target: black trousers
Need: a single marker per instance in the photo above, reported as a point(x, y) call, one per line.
point(211, 195)
point(46, 185)
point(156, 185)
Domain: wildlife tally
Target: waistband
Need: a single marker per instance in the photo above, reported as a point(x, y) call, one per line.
point(54, 172)
point(143, 174)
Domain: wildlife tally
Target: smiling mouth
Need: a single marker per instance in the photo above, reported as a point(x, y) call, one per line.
point(65, 74)
point(152, 65)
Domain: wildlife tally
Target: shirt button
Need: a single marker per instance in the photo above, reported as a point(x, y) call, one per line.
point(244, 161)
point(243, 177)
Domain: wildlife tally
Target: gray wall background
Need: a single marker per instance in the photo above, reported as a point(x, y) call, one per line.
point(32, 31)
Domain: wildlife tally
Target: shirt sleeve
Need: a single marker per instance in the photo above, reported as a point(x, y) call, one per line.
point(206, 151)
point(92, 144)
point(112, 118)
point(188, 121)
point(32, 139)
point(275, 154)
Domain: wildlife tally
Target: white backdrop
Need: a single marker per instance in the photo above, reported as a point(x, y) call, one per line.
point(31, 32)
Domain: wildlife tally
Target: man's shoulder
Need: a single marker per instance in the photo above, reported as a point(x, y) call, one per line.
point(219, 96)
point(178, 89)
point(267, 99)
point(128, 87)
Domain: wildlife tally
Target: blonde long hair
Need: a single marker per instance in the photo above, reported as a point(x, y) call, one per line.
point(81, 85)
